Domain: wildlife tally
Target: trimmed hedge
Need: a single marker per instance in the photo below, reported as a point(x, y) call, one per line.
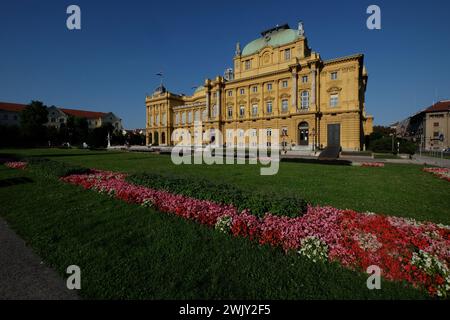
point(52, 168)
point(259, 203)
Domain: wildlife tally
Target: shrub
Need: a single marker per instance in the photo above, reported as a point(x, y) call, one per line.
point(259, 203)
point(52, 168)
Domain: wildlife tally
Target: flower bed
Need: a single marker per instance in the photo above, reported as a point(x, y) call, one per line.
point(372, 164)
point(404, 249)
point(16, 165)
point(259, 203)
point(443, 173)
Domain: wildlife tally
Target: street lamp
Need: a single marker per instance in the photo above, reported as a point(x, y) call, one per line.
point(314, 139)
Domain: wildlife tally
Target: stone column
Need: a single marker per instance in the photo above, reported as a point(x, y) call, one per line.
point(218, 103)
point(313, 87)
point(208, 111)
point(294, 90)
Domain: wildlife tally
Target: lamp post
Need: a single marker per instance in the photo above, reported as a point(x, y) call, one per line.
point(314, 139)
point(109, 140)
point(283, 135)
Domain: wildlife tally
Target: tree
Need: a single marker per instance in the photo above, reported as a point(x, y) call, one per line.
point(33, 119)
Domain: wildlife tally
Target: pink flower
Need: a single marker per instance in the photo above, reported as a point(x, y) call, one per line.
point(16, 165)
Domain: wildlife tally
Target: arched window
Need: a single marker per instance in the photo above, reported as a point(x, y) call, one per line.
point(304, 100)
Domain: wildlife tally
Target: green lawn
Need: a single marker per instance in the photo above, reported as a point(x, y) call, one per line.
point(402, 190)
point(126, 251)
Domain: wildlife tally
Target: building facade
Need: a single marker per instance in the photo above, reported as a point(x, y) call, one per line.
point(10, 115)
point(58, 116)
point(278, 82)
point(429, 128)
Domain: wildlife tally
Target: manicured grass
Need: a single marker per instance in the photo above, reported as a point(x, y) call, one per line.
point(402, 190)
point(126, 251)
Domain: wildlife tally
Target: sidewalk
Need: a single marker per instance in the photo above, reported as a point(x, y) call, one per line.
point(22, 274)
point(441, 162)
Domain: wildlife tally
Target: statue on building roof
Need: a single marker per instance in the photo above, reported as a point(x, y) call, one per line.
point(238, 49)
point(301, 30)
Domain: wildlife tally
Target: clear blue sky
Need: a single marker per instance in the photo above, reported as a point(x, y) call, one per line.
point(111, 63)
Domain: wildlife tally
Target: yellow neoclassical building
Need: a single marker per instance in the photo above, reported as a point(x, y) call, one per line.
point(277, 82)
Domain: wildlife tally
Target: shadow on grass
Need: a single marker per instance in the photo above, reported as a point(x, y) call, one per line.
point(14, 181)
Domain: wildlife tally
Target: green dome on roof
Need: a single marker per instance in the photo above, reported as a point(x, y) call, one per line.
point(274, 39)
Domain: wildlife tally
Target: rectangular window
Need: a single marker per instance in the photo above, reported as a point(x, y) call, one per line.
point(284, 84)
point(304, 100)
point(436, 134)
point(334, 100)
point(254, 110)
point(436, 124)
point(190, 117)
point(242, 91)
point(269, 107)
point(269, 87)
point(287, 54)
point(334, 76)
point(304, 79)
point(230, 93)
point(230, 112)
point(248, 64)
point(241, 111)
point(255, 89)
point(284, 105)
point(269, 132)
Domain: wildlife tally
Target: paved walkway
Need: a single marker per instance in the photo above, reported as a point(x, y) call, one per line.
point(441, 162)
point(23, 275)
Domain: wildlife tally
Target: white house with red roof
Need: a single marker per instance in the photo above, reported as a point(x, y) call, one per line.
point(10, 115)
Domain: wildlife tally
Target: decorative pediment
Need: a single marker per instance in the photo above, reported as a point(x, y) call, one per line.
point(285, 95)
point(254, 100)
point(269, 98)
point(334, 89)
point(242, 102)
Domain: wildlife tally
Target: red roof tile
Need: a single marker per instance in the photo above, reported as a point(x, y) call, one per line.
point(439, 107)
point(17, 107)
point(13, 107)
point(83, 113)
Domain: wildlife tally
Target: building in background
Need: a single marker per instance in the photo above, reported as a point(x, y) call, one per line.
point(58, 116)
point(278, 82)
point(10, 115)
point(429, 128)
